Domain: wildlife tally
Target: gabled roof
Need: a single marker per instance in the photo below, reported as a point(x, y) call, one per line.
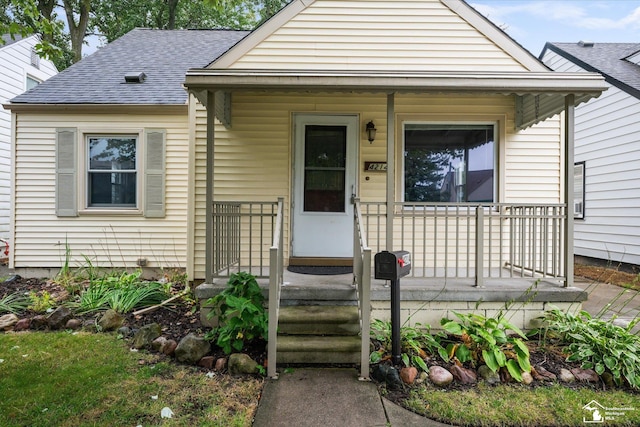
point(162, 55)
point(609, 59)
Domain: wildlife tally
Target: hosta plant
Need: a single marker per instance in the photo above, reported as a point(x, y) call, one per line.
point(486, 340)
point(416, 343)
point(598, 344)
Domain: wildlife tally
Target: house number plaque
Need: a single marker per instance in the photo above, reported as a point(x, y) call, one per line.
point(375, 166)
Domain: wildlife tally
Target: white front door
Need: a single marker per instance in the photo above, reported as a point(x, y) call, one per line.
point(324, 182)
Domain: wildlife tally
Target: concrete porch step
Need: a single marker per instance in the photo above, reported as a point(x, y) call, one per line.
point(319, 320)
point(311, 349)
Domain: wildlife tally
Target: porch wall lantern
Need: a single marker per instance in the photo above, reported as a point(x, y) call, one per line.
point(371, 131)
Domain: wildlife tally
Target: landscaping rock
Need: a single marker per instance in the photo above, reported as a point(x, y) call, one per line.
point(408, 375)
point(7, 321)
point(566, 376)
point(59, 317)
point(191, 348)
point(39, 322)
point(207, 362)
point(110, 321)
point(422, 377)
point(240, 363)
point(440, 376)
point(463, 375)
point(145, 336)
point(488, 375)
point(220, 364)
point(541, 374)
point(389, 375)
point(22, 325)
point(73, 324)
point(526, 378)
point(586, 375)
point(159, 344)
point(170, 347)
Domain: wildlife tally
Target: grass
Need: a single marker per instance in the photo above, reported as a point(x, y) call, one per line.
point(515, 405)
point(66, 379)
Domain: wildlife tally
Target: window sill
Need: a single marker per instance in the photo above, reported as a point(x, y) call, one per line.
point(110, 212)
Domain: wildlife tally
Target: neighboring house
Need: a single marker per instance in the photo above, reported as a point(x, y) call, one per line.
point(20, 69)
point(607, 150)
point(322, 137)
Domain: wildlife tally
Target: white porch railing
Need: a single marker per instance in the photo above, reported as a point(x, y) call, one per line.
point(276, 269)
point(494, 240)
point(362, 281)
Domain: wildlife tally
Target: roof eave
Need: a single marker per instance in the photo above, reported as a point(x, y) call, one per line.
point(95, 108)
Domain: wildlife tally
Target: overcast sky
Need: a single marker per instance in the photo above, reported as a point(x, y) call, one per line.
point(534, 22)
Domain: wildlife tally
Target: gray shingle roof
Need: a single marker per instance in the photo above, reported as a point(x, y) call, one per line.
point(163, 55)
point(7, 39)
point(609, 59)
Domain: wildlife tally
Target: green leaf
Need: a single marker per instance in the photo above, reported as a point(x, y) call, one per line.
point(501, 359)
point(610, 362)
point(521, 347)
point(463, 354)
point(419, 362)
point(514, 370)
point(452, 327)
point(405, 359)
point(443, 354)
point(490, 360)
point(599, 368)
point(375, 357)
point(524, 363)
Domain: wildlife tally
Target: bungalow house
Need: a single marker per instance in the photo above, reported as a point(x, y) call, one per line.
point(607, 150)
point(20, 70)
point(321, 138)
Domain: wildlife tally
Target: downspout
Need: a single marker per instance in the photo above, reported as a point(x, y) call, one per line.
point(391, 167)
point(569, 135)
point(208, 269)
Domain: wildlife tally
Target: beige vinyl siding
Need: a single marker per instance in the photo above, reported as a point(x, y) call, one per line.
point(253, 159)
point(107, 240)
point(378, 35)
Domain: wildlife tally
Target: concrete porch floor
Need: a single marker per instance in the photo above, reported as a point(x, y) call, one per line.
point(496, 289)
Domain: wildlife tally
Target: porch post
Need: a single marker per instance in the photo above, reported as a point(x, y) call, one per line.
point(391, 167)
point(569, 126)
point(208, 253)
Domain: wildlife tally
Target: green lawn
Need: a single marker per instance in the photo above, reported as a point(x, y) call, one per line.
point(65, 379)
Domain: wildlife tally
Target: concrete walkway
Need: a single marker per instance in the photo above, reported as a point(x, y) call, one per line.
point(309, 397)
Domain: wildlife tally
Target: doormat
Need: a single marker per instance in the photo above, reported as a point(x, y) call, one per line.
point(320, 270)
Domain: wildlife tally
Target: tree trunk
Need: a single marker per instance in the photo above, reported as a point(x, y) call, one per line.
point(173, 5)
point(77, 30)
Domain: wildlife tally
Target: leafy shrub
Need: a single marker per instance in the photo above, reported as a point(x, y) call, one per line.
point(485, 340)
point(41, 302)
point(13, 303)
point(598, 344)
point(416, 343)
point(240, 312)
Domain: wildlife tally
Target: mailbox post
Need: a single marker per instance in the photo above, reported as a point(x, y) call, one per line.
point(392, 266)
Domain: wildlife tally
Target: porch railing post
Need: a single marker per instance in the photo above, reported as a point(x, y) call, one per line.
point(479, 247)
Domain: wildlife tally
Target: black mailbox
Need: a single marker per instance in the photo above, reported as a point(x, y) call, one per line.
point(392, 265)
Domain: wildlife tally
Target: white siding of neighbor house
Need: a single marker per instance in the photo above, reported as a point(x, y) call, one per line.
point(106, 240)
point(607, 139)
point(253, 159)
point(15, 66)
point(378, 35)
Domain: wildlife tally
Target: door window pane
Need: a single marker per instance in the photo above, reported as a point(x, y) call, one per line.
point(325, 151)
point(448, 163)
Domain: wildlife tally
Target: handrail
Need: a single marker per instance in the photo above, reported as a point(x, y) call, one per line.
point(276, 272)
point(362, 280)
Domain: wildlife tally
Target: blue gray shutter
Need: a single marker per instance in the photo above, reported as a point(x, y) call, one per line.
point(154, 173)
point(66, 172)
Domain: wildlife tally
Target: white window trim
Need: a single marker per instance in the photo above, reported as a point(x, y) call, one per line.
point(498, 128)
point(83, 172)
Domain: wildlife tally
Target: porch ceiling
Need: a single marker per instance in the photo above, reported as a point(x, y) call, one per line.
point(539, 95)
